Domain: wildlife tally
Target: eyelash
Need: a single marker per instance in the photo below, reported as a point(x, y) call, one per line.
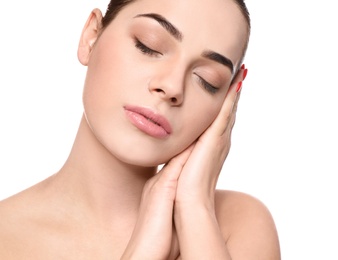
point(146, 50)
point(207, 86)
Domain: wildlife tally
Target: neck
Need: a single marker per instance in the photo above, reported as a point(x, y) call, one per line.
point(104, 185)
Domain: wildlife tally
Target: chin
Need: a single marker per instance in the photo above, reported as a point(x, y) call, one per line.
point(142, 157)
point(143, 161)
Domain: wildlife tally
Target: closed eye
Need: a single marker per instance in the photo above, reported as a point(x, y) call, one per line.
point(206, 85)
point(145, 49)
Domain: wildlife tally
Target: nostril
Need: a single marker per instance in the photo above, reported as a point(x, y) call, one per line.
point(173, 100)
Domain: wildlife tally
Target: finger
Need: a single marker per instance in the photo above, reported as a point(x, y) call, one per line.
point(172, 170)
point(229, 107)
point(227, 112)
point(232, 119)
point(240, 76)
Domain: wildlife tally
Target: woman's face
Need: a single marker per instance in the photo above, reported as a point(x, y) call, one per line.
point(158, 75)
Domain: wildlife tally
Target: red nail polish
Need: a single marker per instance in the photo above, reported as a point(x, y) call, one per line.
point(245, 73)
point(243, 66)
point(239, 86)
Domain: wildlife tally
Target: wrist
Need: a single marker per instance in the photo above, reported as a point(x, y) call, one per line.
point(188, 211)
point(195, 204)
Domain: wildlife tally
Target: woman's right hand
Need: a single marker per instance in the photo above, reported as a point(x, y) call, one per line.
point(153, 234)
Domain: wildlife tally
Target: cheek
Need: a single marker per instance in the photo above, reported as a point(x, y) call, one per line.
point(101, 95)
point(204, 119)
point(198, 118)
point(107, 75)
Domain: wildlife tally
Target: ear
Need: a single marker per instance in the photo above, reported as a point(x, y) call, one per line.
point(90, 34)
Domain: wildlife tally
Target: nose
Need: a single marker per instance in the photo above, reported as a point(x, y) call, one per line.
point(168, 85)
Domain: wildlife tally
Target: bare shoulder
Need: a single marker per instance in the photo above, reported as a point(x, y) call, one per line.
point(247, 225)
point(18, 223)
point(12, 212)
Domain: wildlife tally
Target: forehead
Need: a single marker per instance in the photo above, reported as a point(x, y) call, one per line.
point(217, 25)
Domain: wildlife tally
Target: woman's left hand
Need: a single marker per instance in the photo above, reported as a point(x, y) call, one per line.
point(198, 178)
point(198, 231)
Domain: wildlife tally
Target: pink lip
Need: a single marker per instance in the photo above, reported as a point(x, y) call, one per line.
point(148, 121)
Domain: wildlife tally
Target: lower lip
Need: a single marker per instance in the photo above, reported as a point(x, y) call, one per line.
point(146, 126)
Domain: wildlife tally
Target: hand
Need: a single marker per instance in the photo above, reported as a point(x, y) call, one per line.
point(198, 179)
point(152, 237)
point(198, 230)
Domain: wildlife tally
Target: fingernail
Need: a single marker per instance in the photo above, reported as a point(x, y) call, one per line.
point(239, 86)
point(243, 66)
point(245, 73)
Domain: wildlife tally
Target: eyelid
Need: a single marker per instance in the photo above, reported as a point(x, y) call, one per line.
point(145, 49)
point(206, 85)
point(152, 35)
point(213, 75)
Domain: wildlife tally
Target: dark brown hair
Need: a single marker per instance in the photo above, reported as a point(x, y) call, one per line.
point(115, 6)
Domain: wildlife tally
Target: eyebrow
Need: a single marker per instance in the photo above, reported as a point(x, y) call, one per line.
point(165, 24)
point(171, 29)
point(211, 55)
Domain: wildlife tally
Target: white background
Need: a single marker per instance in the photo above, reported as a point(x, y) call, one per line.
point(285, 144)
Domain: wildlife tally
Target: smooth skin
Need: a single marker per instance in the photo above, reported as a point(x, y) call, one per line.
point(108, 201)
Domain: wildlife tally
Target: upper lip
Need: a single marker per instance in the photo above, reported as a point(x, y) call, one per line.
point(151, 115)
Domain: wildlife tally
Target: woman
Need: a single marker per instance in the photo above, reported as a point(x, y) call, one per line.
point(162, 87)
